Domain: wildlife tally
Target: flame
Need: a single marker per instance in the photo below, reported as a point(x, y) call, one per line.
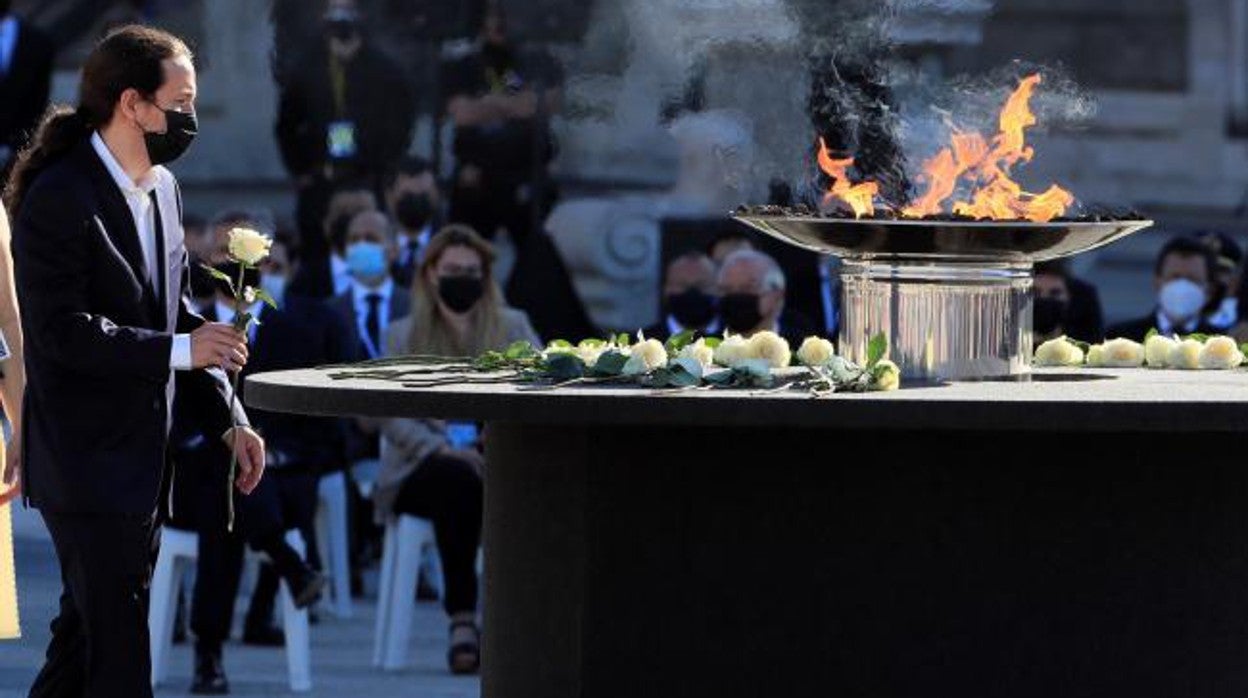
point(974, 162)
point(859, 197)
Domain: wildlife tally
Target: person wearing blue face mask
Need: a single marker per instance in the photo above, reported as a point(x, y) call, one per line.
point(373, 300)
point(1182, 280)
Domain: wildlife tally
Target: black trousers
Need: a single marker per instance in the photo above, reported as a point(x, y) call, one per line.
point(284, 499)
point(99, 645)
point(448, 490)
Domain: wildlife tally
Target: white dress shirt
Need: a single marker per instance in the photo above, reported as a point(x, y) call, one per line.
point(1166, 327)
point(341, 274)
point(674, 327)
point(138, 199)
point(359, 298)
point(419, 243)
point(8, 42)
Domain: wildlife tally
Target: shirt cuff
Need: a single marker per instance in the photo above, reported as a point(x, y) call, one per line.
point(180, 354)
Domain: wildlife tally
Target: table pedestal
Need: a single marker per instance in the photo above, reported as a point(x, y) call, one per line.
point(682, 561)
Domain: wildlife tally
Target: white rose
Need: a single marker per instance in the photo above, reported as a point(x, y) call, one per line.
point(1186, 354)
point(698, 351)
point(771, 348)
point(1122, 353)
point(1220, 353)
point(1096, 355)
point(888, 376)
point(815, 351)
point(645, 357)
point(1157, 350)
point(590, 353)
point(1058, 352)
point(732, 351)
point(248, 246)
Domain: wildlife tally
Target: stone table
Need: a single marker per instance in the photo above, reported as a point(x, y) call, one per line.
point(1084, 533)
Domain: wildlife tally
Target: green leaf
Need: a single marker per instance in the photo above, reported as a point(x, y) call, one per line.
point(713, 342)
point(1083, 346)
point(560, 344)
point(1243, 349)
point(591, 343)
point(623, 340)
point(266, 297)
point(1198, 336)
point(1151, 333)
point(687, 370)
point(564, 367)
point(220, 276)
point(520, 350)
point(680, 341)
point(610, 363)
point(876, 348)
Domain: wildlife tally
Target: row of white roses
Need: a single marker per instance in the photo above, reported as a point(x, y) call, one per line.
point(767, 348)
point(1158, 351)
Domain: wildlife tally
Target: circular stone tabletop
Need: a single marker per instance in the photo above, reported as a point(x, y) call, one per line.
point(1138, 400)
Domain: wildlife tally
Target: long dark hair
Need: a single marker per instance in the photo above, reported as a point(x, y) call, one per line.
point(129, 57)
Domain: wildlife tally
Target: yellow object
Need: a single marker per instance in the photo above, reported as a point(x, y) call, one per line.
point(8, 578)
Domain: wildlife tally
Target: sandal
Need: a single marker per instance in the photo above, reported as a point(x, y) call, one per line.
point(465, 657)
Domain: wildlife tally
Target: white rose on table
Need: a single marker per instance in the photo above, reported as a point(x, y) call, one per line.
point(1186, 354)
point(645, 357)
point(732, 351)
point(248, 246)
point(698, 351)
point(887, 376)
point(1157, 350)
point(1096, 355)
point(1122, 353)
point(590, 352)
point(772, 348)
point(815, 351)
point(1220, 353)
point(1059, 352)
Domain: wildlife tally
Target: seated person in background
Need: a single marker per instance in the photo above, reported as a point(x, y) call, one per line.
point(414, 202)
point(324, 277)
point(300, 334)
point(689, 301)
point(457, 310)
point(751, 298)
point(1222, 310)
point(1182, 279)
point(1065, 305)
point(372, 299)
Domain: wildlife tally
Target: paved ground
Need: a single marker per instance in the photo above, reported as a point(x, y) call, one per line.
point(341, 650)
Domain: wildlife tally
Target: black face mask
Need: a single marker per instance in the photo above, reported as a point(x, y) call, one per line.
point(740, 312)
point(170, 145)
point(693, 309)
point(414, 211)
point(342, 29)
point(460, 293)
point(1050, 315)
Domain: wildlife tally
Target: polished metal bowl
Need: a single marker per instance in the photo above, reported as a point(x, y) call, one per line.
point(949, 241)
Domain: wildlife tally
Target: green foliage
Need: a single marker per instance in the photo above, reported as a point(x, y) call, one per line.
point(264, 296)
point(221, 276)
point(609, 364)
point(680, 341)
point(1151, 333)
point(876, 349)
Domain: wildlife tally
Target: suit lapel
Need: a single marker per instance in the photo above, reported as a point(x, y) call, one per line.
point(119, 225)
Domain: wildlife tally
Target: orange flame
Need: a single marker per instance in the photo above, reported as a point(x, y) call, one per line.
point(859, 197)
point(973, 160)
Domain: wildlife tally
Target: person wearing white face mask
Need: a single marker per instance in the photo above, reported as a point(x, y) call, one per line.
point(1182, 279)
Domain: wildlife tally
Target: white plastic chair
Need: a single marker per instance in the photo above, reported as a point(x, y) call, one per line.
point(406, 537)
point(332, 540)
point(177, 549)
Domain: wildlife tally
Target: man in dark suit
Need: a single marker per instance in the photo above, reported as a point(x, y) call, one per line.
point(302, 333)
point(751, 298)
point(101, 277)
point(373, 300)
point(414, 203)
point(689, 300)
point(1183, 280)
point(26, 55)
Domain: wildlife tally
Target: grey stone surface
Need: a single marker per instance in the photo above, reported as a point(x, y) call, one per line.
point(1053, 400)
point(341, 649)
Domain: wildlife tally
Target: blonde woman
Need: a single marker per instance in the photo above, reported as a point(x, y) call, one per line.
point(14, 381)
point(431, 469)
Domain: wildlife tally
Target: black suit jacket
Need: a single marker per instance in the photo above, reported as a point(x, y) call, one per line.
point(1138, 329)
point(344, 306)
point(304, 333)
point(24, 88)
point(99, 335)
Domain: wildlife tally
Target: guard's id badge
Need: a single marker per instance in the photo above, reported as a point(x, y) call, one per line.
point(341, 140)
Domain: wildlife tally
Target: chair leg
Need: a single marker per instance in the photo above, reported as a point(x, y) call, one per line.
point(298, 636)
point(385, 601)
point(161, 611)
point(339, 559)
point(411, 539)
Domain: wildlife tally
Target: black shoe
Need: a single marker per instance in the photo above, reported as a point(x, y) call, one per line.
point(268, 635)
point(209, 675)
point(306, 589)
